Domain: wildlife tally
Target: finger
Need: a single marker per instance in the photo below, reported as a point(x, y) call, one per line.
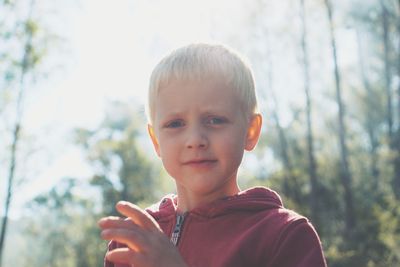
point(137, 215)
point(122, 256)
point(116, 222)
point(133, 239)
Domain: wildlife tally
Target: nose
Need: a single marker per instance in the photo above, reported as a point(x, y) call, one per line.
point(196, 138)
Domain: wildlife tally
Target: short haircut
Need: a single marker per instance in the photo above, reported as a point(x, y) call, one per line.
point(199, 61)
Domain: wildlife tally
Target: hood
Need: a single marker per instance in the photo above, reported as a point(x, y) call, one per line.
point(253, 199)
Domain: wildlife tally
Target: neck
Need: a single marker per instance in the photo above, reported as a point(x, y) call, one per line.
point(189, 200)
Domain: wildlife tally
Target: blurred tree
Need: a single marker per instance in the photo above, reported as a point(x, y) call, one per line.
point(25, 38)
point(371, 114)
point(122, 170)
point(385, 20)
point(64, 219)
point(264, 56)
point(290, 181)
point(387, 75)
point(396, 180)
point(362, 145)
point(312, 165)
point(390, 18)
point(25, 31)
point(63, 228)
point(345, 174)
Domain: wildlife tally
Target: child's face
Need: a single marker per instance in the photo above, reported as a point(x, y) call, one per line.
point(200, 133)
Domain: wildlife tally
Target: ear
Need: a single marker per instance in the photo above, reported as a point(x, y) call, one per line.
point(153, 138)
point(253, 132)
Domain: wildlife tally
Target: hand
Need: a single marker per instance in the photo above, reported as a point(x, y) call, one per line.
point(147, 245)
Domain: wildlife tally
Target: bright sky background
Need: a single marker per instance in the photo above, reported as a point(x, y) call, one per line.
point(112, 47)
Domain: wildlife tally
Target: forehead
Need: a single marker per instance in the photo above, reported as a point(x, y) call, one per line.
point(207, 94)
point(208, 86)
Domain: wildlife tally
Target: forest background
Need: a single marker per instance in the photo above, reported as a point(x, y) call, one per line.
point(73, 141)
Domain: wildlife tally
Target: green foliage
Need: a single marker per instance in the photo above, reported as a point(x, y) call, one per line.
point(122, 169)
point(22, 50)
point(375, 241)
point(63, 228)
point(63, 221)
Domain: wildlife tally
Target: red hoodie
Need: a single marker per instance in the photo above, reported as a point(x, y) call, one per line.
point(251, 228)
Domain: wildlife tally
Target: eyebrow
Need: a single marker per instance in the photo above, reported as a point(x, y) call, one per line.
point(215, 110)
point(206, 110)
point(169, 116)
point(173, 113)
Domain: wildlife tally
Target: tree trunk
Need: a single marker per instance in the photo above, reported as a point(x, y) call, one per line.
point(16, 134)
point(396, 141)
point(398, 70)
point(312, 165)
point(285, 157)
point(385, 27)
point(290, 183)
point(369, 124)
point(345, 174)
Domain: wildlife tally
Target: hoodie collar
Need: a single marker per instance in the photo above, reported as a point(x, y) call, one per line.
point(253, 199)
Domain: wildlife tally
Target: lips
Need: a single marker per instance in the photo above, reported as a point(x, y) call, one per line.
point(200, 162)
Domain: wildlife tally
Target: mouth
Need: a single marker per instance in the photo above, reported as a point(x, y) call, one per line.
point(200, 162)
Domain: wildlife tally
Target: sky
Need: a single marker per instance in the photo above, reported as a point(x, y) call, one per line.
point(107, 52)
point(109, 49)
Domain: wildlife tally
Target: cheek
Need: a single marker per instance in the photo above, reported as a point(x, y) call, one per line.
point(234, 139)
point(166, 149)
point(168, 153)
point(232, 147)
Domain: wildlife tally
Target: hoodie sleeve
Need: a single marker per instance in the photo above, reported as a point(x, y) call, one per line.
point(298, 246)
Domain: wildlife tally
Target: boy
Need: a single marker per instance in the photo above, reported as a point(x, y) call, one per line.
point(202, 113)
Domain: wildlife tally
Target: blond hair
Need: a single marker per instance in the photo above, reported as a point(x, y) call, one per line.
point(203, 61)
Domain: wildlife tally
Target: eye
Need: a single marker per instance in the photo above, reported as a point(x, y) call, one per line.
point(174, 124)
point(216, 120)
